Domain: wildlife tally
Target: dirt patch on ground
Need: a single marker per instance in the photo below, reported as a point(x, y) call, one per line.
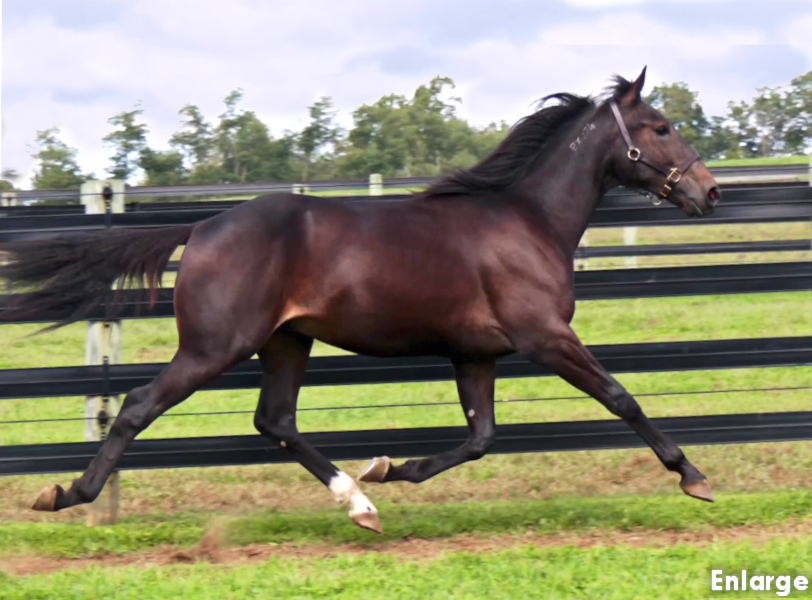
point(212, 550)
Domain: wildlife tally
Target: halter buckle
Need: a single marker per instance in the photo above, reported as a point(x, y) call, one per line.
point(674, 176)
point(634, 154)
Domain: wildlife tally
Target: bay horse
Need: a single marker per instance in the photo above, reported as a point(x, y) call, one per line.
point(478, 266)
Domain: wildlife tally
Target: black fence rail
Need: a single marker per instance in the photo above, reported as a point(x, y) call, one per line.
point(759, 247)
point(744, 204)
point(402, 443)
point(358, 370)
point(740, 205)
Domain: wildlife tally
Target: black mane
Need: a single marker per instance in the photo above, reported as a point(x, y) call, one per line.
point(523, 146)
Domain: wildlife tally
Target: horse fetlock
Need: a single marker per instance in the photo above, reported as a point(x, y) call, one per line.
point(79, 490)
point(675, 460)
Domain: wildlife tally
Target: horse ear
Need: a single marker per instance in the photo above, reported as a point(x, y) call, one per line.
point(633, 96)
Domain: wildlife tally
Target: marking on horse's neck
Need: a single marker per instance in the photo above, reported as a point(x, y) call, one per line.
point(588, 128)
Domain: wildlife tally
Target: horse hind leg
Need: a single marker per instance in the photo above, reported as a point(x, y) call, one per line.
point(220, 323)
point(284, 360)
point(181, 377)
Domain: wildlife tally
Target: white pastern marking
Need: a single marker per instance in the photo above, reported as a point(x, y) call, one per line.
point(345, 489)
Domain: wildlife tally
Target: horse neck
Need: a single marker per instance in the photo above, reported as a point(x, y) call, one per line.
point(568, 185)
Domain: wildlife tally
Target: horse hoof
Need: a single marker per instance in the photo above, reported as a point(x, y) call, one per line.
point(48, 498)
point(376, 470)
point(698, 489)
point(367, 519)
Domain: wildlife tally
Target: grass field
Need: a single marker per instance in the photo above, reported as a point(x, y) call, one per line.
point(760, 162)
point(661, 547)
point(682, 571)
point(607, 524)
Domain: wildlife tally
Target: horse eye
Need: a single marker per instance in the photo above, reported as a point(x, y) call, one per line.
point(662, 130)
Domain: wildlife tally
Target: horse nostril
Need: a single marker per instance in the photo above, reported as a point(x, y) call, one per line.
point(714, 195)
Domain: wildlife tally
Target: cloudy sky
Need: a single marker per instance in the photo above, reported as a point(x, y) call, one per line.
point(75, 63)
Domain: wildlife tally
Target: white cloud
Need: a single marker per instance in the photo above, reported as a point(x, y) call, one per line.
point(634, 29)
point(799, 35)
point(579, 57)
point(602, 4)
point(198, 54)
point(284, 55)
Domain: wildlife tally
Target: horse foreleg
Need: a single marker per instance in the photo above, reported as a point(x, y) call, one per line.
point(182, 376)
point(284, 359)
point(475, 385)
point(564, 353)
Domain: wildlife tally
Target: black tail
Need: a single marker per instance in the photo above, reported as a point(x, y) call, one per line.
point(73, 274)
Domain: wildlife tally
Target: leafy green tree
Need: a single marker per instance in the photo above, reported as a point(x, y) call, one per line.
point(207, 173)
point(319, 136)
point(680, 105)
point(776, 122)
point(770, 117)
point(719, 141)
point(128, 140)
point(162, 167)
point(196, 140)
point(399, 136)
point(245, 148)
point(7, 177)
point(744, 136)
point(226, 136)
point(57, 167)
point(799, 101)
point(278, 160)
point(439, 133)
point(379, 141)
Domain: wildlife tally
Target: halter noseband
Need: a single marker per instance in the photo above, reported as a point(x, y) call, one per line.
point(672, 176)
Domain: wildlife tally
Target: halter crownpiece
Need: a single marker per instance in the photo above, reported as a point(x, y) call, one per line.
point(672, 175)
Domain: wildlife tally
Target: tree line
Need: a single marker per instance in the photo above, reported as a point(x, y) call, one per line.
point(397, 136)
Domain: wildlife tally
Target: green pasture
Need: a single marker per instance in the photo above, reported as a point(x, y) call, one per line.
point(622, 572)
point(759, 486)
point(519, 569)
point(765, 161)
point(651, 514)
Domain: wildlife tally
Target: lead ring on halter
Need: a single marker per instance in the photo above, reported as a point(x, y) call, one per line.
point(672, 176)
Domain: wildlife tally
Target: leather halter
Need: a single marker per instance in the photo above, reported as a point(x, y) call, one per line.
point(672, 176)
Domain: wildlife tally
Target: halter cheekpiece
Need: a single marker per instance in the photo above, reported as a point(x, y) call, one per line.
point(672, 175)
